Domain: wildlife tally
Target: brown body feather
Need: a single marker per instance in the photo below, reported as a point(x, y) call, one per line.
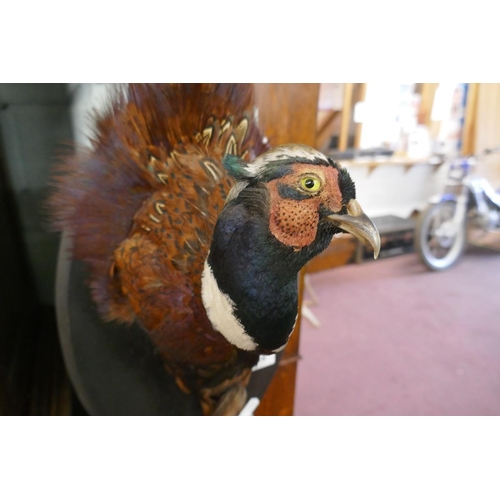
point(141, 206)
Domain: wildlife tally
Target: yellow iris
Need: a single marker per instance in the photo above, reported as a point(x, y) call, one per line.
point(310, 184)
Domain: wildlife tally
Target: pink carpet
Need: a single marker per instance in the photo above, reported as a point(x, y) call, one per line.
point(396, 339)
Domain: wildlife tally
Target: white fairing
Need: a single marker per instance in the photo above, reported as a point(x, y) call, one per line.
point(220, 312)
point(481, 188)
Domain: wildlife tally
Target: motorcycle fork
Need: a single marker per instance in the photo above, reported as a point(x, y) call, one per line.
point(461, 208)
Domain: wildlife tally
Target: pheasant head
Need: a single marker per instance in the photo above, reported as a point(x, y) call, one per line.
point(283, 210)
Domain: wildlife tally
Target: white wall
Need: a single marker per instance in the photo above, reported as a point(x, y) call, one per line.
point(391, 190)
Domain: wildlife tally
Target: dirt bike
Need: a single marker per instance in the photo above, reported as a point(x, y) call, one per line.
point(468, 201)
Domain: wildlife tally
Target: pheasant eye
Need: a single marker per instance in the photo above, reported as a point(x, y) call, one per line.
point(310, 184)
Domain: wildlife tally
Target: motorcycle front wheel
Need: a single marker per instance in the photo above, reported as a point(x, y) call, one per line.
point(439, 241)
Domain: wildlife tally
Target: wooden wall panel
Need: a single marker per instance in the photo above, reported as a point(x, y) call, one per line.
point(488, 116)
point(287, 113)
point(487, 130)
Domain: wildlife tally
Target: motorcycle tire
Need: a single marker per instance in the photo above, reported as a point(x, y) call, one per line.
point(443, 252)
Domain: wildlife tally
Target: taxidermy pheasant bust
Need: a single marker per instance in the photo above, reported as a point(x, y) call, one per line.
point(191, 226)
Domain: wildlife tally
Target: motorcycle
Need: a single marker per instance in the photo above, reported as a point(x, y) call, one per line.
point(468, 202)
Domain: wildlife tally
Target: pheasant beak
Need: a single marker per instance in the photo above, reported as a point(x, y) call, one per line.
point(359, 225)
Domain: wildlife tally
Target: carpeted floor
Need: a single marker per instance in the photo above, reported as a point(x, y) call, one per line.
point(397, 339)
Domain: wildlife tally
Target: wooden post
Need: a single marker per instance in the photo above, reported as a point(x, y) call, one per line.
point(469, 130)
point(287, 114)
point(359, 126)
point(426, 102)
point(346, 116)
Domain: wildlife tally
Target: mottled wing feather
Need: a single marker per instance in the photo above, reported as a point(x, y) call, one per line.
point(159, 265)
point(141, 207)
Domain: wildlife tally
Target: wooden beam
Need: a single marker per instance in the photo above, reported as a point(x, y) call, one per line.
point(469, 130)
point(346, 116)
point(426, 102)
point(287, 114)
point(359, 126)
point(326, 126)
